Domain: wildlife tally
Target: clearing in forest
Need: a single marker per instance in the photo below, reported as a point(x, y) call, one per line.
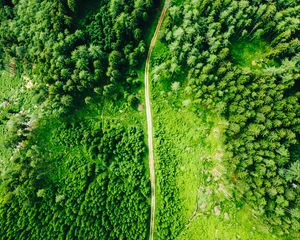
point(251, 53)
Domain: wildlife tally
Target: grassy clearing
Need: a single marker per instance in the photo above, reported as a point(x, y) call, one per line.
point(8, 85)
point(251, 53)
point(10, 89)
point(236, 227)
point(194, 138)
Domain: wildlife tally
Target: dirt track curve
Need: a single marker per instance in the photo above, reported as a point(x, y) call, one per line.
point(149, 119)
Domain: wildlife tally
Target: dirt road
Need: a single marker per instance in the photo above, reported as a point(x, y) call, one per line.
point(149, 120)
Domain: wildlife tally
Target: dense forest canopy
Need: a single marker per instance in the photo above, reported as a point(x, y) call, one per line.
point(243, 61)
point(72, 162)
point(92, 198)
point(73, 59)
point(78, 179)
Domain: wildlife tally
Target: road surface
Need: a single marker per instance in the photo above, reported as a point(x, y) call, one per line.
point(149, 120)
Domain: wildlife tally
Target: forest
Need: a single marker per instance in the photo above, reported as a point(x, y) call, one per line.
point(73, 58)
point(241, 60)
point(225, 93)
point(65, 176)
point(92, 197)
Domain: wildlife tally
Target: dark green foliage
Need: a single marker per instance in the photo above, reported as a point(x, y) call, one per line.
point(169, 222)
point(73, 59)
point(96, 187)
point(72, 5)
point(259, 99)
point(103, 196)
point(99, 190)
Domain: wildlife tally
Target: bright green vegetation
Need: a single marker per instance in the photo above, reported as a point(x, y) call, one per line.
point(240, 224)
point(252, 53)
point(7, 87)
point(87, 174)
point(73, 159)
point(225, 98)
point(186, 142)
point(191, 179)
point(76, 60)
point(85, 170)
point(216, 69)
point(14, 97)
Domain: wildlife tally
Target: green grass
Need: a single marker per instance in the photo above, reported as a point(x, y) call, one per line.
point(8, 85)
point(251, 53)
point(240, 225)
point(10, 88)
point(194, 139)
